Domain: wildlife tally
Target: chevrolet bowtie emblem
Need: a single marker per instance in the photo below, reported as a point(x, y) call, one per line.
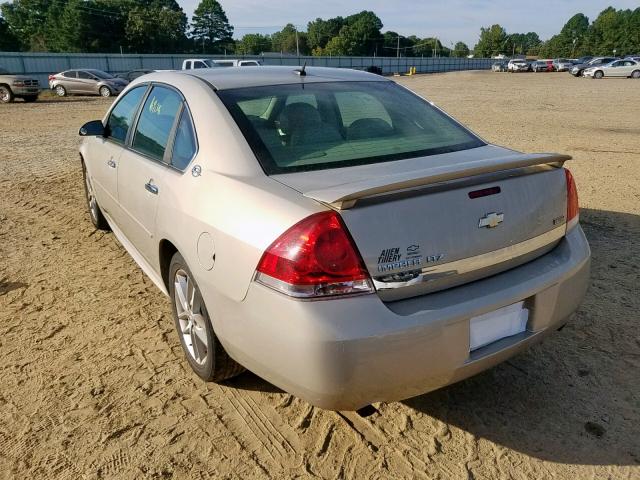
point(491, 220)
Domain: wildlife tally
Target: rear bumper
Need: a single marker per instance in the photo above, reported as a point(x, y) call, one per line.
point(346, 353)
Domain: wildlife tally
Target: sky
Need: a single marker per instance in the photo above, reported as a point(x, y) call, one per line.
point(450, 20)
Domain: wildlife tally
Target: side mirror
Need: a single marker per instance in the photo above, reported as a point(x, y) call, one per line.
point(94, 128)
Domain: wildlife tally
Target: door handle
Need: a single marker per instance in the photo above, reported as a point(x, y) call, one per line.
point(111, 163)
point(150, 187)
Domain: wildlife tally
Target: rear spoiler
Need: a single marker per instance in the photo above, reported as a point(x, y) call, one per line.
point(345, 195)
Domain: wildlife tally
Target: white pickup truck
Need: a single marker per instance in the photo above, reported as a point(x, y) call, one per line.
point(192, 63)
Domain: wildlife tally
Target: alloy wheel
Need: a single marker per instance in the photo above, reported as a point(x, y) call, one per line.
point(192, 322)
point(60, 91)
point(91, 199)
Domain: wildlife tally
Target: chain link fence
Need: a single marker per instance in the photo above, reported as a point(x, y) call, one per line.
point(41, 65)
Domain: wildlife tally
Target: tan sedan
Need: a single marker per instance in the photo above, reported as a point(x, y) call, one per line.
point(332, 231)
point(86, 82)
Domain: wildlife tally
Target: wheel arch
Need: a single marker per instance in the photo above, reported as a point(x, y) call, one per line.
point(166, 251)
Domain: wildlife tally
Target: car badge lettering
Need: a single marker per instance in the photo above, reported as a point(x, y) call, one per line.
point(491, 220)
point(391, 259)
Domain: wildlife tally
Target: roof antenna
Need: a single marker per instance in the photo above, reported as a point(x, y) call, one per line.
point(301, 71)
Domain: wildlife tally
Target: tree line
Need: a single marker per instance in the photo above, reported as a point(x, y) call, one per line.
point(612, 32)
point(161, 26)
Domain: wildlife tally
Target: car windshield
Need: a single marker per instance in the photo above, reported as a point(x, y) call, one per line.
point(100, 74)
point(317, 126)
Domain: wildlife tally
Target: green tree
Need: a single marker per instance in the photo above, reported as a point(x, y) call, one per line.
point(27, 20)
point(210, 27)
point(492, 42)
point(157, 26)
point(8, 41)
point(359, 36)
point(254, 44)
point(289, 40)
point(460, 50)
point(320, 32)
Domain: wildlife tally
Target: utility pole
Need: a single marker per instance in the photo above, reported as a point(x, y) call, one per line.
point(297, 43)
point(398, 49)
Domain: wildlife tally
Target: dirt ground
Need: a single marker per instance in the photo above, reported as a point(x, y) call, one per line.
point(93, 383)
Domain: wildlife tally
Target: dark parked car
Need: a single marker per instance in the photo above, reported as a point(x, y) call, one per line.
point(578, 69)
point(543, 66)
point(133, 74)
point(500, 66)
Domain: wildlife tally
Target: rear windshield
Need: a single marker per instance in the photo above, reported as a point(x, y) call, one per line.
point(317, 126)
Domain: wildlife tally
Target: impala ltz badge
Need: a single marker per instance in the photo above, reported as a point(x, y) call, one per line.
point(394, 259)
point(491, 220)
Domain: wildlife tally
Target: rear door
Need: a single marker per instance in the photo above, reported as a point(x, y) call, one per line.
point(70, 81)
point(143, 167)
point(106, 151)
point(87, 83)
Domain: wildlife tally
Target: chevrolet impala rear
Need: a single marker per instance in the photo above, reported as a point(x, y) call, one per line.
point(360, 245)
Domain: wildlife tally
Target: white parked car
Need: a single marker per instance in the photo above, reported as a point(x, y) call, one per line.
point(517, 65)
point(197, 63)
point(332, 231)
point(626, 68)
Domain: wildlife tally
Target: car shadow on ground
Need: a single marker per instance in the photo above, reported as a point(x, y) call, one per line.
point(6, 286)
point(573, 398)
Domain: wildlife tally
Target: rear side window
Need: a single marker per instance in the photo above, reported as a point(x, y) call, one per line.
point(122, 114)
point(71, 74)
point(184, 145)
point(156, 122)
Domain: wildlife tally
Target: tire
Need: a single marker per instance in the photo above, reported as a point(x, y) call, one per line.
point(635, 74)
point(598, 74)
point(105, 92)
point(60, 91)
point(203, 350)
point(6, 95)
point(30, 98)
point(97, 218)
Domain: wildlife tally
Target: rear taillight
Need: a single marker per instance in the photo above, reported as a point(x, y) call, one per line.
point(52, 77)
point(572, 201)
point(314, 258)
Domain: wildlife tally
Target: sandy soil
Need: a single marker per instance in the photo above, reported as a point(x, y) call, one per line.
point(93, 383)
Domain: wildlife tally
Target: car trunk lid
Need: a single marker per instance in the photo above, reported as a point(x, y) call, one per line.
point(432, 223)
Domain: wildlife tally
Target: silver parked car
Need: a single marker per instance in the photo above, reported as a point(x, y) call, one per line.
point(333, 232)
point(626, 68)
point(86, 82)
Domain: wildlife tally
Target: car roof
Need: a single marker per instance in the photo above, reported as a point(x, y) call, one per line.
point(228, 78)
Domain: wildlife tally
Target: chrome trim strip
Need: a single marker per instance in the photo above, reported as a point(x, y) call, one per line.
point(471, 264)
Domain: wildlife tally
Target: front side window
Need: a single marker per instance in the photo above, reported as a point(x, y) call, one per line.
point(184, 145)
point(199, 65)
point(122, 114)
point(85, 75)
point(156, 122)
point(317, 126)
